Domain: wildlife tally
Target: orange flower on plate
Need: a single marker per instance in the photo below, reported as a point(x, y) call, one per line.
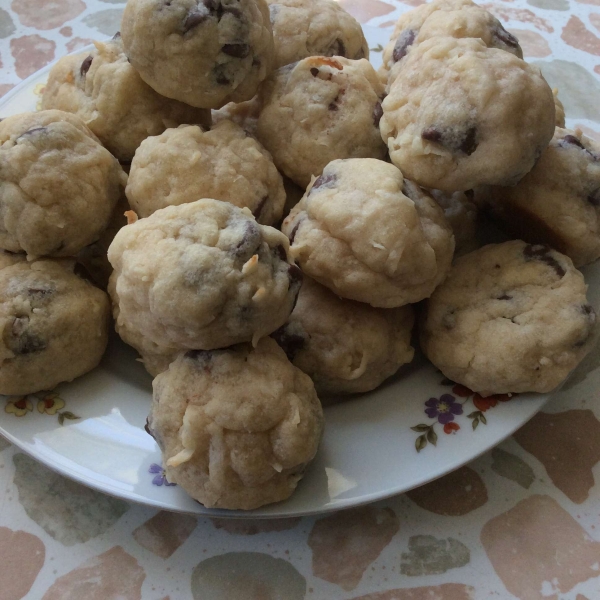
point(451, 428)
point(50, 404)
point(19, 407)
point(482, 403)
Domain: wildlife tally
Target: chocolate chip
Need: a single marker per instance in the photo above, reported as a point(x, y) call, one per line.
point(571, 139)
point(507, 38)
point(333, 106)
point(249, 243)
point(314, 71)
point(324, 181)
point(377, 114)
point(294, 232)
point(23, 341)
point(279, 251)
point(220, 76)
point(542, 253)
point(403, 43)
point(504, 297)
point(463, 140)
point(236, 50)
point(259, 208)
point(85, 65)
point(290, 343)
point(295, 274)
point(193, 19)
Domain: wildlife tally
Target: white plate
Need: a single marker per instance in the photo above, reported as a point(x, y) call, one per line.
point(368, 450)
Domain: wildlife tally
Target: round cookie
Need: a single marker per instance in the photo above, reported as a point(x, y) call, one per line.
point(54, 326)
point(106, 92)
point(202, 275)
point(236, 427)
point(205, 53)
point(304, 28)
point(509, 318)
point(558, 201)
point(58, 185)
point(460, 115)
point(344, 346)
point(444, 18)
point(368, 234)
point(184, 164)
point(461, 213)
point(318, 110)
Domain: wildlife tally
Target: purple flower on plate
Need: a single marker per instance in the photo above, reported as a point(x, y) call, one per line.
point(160, 477)
point(443, 408)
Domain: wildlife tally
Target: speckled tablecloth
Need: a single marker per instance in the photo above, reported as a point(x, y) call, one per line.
point(520, 522)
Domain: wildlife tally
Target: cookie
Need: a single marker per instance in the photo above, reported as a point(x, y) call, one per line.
point(559, 110)
point(237, 427)
point(318, 110)
point(185, 164)
point(444, 18)
point(344, 346)
point(461, 212)
point(509, 318)
point(93, 258)
point(304, 28)
point(368, 234)
point(558, 202)
point(205, 53)
point(201, 275)
point(460, 114)
point(58, 185)
point(54, 326)
point(107, 93)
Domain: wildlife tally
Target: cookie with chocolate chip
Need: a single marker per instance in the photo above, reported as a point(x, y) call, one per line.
point(205, 53)
point(346, 347)
point(201, 275)
point(304, 28)
point(460, 115)
point(184, 164)
point(54, 326)
point(444, 18)
point(58, 185)
point(107, 93)
point(558, 201)
point(509, 318)
point(369, 234)
point(318, 110)
point(236, 427)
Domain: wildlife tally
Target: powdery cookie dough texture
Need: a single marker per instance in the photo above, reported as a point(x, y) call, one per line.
point(185, 164)
point(509, 318)
point(318, 110)
point(205, 53)
point(461, 114)
point(104, 89)
point(558, 201)
point(236, 427)
point(202, 275)
point(346, 347)
point(370, 235)
point(304, 28)
point(444, 18)
point(54, 326)
point(58, 185)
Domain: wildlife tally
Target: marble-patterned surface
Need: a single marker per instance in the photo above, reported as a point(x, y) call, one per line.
point(522, 521)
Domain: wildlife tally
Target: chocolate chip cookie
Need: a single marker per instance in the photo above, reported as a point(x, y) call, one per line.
point(104, 89)
point(460, 115)
point(201, 275)
point(320, 109)
point(185, 164)
point(54, 326)
point(345, 346)
point(58, 185)
point(509, 318)
point(558, 202)
point(205, 53)
point(236, 427)
point(304, 28)
point(368, 234)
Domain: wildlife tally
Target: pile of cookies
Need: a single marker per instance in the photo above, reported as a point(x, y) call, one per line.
point(287, 211)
